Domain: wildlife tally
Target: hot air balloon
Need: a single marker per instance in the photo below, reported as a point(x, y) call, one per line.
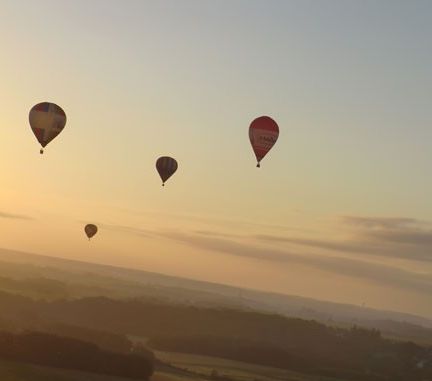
point(166, 166)
point(90, 230)
point(47, 120)
point(263, 133)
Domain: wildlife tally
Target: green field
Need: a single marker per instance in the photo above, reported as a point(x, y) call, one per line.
point(235, 370)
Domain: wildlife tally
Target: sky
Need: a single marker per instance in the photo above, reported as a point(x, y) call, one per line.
point(340, 209)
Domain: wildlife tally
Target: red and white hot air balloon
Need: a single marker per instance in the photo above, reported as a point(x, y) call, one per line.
point(263, 134)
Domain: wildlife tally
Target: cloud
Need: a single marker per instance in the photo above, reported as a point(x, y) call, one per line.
point(378, 273)
point(401, 237)
point(128, 229)
point(386, 237)
point(382, 222)
point(342, 246)
point(225, 222)
point(224, 245)
point(211, 233)
point(406, 238)
point(15, 216)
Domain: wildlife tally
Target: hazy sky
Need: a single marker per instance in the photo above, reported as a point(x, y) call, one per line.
point(341, 207)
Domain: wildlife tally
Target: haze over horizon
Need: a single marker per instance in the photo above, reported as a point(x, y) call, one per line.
point(340, 209)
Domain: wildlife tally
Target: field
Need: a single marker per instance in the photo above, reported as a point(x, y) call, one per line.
point(14, 371)
point(169, 376)
point(234, 370)
point(196, 368)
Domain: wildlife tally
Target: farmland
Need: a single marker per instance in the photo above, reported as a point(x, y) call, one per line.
point(233, 370)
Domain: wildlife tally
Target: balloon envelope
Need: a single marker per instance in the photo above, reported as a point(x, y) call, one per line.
point(47, 120)
point(90, 230)
point(166, 167)
point(263, 134)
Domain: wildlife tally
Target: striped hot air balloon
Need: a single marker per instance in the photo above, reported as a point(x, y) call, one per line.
point(166, 167)
point(263, 134)
point(47, 120)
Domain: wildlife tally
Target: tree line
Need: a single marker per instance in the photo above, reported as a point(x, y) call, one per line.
point(68, 353)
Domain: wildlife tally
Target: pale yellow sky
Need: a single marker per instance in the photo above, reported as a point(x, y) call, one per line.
point(339, 209)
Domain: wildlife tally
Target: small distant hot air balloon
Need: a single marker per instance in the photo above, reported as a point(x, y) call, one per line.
point(90, 230)
point(166, 167)
point(263, 133)
point(47, 120)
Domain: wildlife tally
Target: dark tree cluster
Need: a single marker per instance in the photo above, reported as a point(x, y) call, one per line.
point(268, 339)
point(358, 354)
point(60, 352)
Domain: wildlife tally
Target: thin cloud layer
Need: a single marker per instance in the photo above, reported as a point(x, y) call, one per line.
point(15, 216)
point(128, 229)
point(385, 237)
point(405, 238)
point(408, 237)
point(372, 272)
point(343, 246)
point(382, 222)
